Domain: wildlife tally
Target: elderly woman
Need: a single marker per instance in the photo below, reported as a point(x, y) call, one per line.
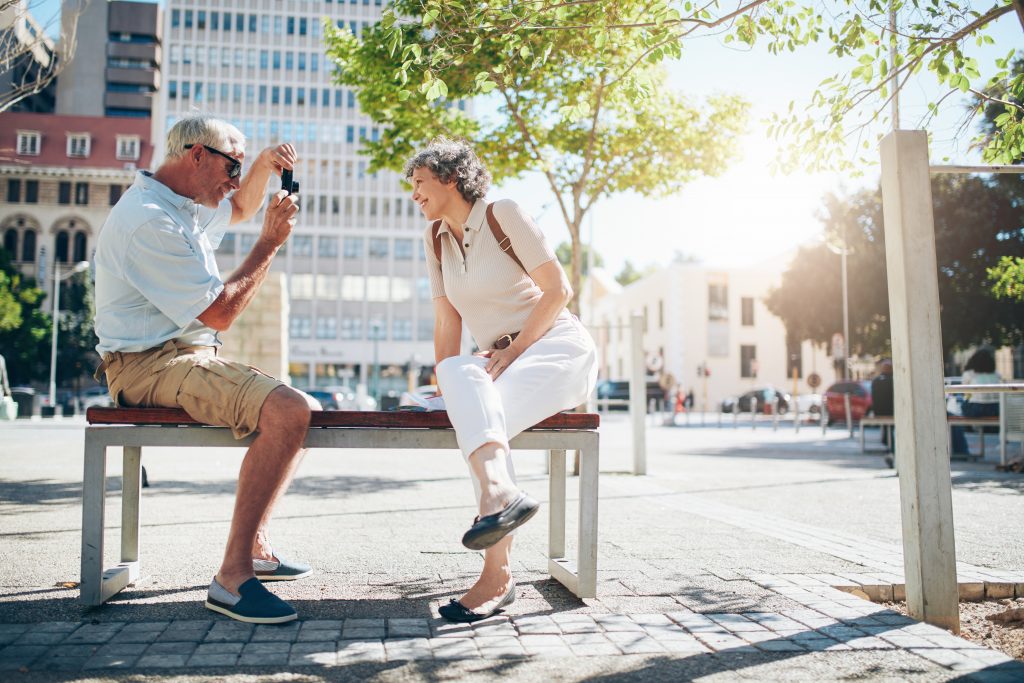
point(491, 268)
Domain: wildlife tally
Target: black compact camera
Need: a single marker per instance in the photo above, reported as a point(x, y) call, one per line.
point(287, 184)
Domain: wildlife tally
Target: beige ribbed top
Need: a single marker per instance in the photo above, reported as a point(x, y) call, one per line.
point(488, 289)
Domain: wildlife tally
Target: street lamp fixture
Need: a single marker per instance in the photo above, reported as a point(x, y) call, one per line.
point(57, 279)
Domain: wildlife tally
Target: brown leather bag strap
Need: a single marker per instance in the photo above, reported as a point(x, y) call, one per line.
point(435, 236)
point(504, 243)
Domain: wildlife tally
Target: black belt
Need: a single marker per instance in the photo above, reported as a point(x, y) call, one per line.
point(504, 341)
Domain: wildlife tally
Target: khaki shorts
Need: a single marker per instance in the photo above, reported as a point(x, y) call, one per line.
point(211, 390)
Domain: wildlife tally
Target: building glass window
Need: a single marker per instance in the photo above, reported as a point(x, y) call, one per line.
point(327, 246)
point(401, 329)
point(64, 192)
point(62, 246)
point(79, 244)
point(28, 246)
point(227, 244)
point(11, 242)
point(115, 194)
point(378, 247)
point(351, 328)
point(353, 287)
point(403, 249)
point(300, 326)
point(747, 311)
point(302, 245)
point(302, 286)
point(424, 329)
point(718, 302)
point(748, 361)
point(81, 193)
point(78, 144)
point(13, 190)
point(326, 327)
point(128, 147)
point(353, 246)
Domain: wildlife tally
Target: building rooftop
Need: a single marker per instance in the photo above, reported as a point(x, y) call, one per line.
point(103, 149)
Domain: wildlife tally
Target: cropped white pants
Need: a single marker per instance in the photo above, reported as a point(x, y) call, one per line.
point(555, 373)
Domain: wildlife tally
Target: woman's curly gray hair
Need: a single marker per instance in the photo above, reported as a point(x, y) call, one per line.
point(453, 160)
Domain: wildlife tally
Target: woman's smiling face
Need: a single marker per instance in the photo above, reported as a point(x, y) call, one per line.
point(432, 196)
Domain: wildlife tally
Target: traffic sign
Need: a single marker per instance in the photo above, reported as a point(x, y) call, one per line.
point(814, 380)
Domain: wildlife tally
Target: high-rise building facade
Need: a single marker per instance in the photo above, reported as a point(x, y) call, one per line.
point(115, 68)
point(356, 273)
point(28, 61)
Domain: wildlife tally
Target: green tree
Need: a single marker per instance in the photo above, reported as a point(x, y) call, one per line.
point(1007, 278)
point(935, 37)
point(977, 223)
point(564, 253)
point(24, 327)
point(76, 353)
point(568, 100)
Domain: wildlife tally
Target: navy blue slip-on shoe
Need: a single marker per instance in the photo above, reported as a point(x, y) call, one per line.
point(257, 605)
point(280, 569)
point(455, 611)
point(488, 530)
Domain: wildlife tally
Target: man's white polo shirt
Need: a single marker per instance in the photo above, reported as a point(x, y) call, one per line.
point(155, 268)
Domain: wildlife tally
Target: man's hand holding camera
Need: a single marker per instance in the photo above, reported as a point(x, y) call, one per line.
point(284, 206)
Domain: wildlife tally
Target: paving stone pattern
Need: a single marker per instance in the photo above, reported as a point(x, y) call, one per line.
point(831, 620)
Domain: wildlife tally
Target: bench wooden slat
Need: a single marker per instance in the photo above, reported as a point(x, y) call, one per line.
point(341, 418)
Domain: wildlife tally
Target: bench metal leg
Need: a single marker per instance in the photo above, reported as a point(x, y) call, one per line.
point(556, 504)
point(131, 484)
point(94, 480)
point(97, 586)
point(587, 568)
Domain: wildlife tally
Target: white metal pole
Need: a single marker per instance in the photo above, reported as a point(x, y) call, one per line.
point(53, 338)
point(638, 395)
point(846, 313)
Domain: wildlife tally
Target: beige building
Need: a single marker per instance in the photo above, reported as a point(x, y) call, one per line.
point(696, 318)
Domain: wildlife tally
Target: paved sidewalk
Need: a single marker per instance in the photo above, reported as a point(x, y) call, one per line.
point(719, 565)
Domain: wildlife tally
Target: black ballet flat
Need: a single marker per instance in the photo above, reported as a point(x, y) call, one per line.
point(455, 611)
point(488, 530)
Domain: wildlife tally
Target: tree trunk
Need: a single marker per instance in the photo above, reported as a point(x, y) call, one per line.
point(576, 265)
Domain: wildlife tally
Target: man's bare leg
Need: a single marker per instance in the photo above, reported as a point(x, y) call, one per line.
point(266, 471)
point(261, 547)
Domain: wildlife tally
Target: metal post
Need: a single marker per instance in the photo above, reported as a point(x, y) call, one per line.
point(638, 395)
point(1002, 430)
point(849, 416)
point(926, 499)
point(753, 412)
point(53, 338)
point(846, 312)
point(775, 415)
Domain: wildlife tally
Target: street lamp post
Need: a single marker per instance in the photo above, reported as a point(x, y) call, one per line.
point(375, 374)
point(57, 279)
point(843, 250)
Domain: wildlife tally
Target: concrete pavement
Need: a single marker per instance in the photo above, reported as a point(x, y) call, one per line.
point(732, 559)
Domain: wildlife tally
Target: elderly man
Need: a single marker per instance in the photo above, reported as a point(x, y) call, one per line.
point(160, 306)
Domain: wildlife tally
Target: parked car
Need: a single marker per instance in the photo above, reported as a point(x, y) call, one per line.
point(618, 390)
point(860, 400)
point(342, 397)
point(95, 396)
point(766, 397)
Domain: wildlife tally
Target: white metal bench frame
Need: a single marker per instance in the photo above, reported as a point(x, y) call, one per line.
point(99, 585)
point(889, 421)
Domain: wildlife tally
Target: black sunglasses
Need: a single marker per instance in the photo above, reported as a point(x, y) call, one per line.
point(236, 165)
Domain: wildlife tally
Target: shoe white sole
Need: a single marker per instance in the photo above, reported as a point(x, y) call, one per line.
point(250, 620)
point(293, 577)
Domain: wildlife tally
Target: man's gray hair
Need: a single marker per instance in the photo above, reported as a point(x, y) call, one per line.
point(202, 129)
point(453, 160)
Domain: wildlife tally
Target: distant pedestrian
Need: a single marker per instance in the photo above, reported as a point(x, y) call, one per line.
point(980, 369)
point(882, 401)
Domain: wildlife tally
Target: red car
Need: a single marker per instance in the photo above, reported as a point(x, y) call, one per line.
point(860, 400)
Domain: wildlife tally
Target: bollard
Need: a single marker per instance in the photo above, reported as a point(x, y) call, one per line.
point(823, 417)
point(849, 416)
point(775, 415)
point(753, 412)
point(796, 416)
point(735, 415)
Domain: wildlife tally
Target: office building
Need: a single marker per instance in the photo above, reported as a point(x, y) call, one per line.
point(359, 297)
point(115, 69)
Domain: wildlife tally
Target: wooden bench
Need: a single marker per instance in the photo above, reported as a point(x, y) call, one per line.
point(952, 421)
point(135, 428)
